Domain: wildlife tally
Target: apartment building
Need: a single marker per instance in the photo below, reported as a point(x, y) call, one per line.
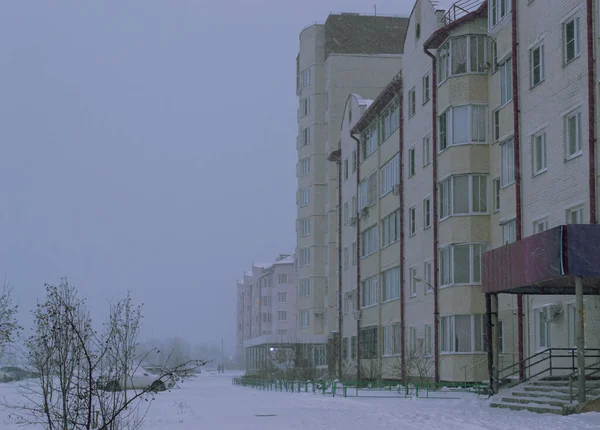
point(475, 174)
point(350, 53)
point(266, 310)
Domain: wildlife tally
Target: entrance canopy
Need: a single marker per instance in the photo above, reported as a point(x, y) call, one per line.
point(546, 263)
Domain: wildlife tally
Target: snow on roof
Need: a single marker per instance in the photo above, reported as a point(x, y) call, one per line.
point(361, 101)
point(262, 265)
point(248, 273)
point(286, 260)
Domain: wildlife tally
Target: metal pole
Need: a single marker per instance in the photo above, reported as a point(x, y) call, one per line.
point(495, 342)
point(489, 346)
point(340, 322)
point(580, 339)
point(222, 364)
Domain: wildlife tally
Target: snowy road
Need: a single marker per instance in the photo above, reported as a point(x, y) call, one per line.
point(211, 402)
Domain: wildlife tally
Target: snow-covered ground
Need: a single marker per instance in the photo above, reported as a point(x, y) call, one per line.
point(211, 402)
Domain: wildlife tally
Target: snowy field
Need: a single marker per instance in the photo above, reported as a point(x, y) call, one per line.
point(211, 402)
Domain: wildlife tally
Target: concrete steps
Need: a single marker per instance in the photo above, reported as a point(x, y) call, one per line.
point(546, 395)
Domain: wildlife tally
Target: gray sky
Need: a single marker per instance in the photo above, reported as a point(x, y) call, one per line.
point(150, 145)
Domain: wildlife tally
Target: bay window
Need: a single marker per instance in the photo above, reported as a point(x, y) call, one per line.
point(462, 333)
point(461, 55)
point(462, 125)
point(461, 263)
point(463, 195)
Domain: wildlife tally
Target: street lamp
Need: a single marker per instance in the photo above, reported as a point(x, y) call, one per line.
point(417, 279)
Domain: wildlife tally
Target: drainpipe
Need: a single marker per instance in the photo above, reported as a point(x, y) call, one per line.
point(489, 343)
point(401, 213)
point(517, 157)
point(436, 310)
point(339, 345)
point(357, 259)
point(591, 109)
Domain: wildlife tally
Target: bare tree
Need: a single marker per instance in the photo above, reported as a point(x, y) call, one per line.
point(418, 364)
point(83, 375)
point(9, 327)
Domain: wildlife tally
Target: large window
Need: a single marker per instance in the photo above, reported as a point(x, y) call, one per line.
point(507, 161)
point(461, 263)
point(282, 278)
point(368, 241)
point(368, 292)
point(498, 9)
point(390, 175)
point(281, 315)
point(282, 297)
point(391, 339)
point(463, 195)
point(305, 136)
point(538, 153)
point(390, 229)
point(369, 141)
point(460, 55)
point(304, 287)
point(462, 333)
point(536, 65)
point(462, 124)
point(509, 231)
point(506, 83)
point(573, 134)
point(390, 284)
point(305, 197)
point(304, 257)
point(304, 318)
point(304, 227)
point(368, 342)
point(367, 191)
point(390, 119)
point(571, 39)
point(575, 215)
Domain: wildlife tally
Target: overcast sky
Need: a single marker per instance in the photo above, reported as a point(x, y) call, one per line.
point(150, 145)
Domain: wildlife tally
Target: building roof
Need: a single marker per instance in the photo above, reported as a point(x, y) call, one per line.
point(387, 95)
point(461, 12)
point(262, 265)
point(287, 260)
point(349, 33)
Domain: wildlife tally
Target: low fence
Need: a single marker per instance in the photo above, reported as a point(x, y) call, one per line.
point(365, 389)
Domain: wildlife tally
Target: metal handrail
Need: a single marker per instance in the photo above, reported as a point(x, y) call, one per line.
point(473, 365)
point(460, 9)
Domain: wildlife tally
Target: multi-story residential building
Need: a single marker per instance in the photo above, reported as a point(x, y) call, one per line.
point(494, 140)
point(266, 310)
point(348, 54)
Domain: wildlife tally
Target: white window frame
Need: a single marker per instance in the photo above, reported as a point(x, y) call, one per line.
point(507, 162)
point(497, 188)
point(498, 10)
point(428, 340)
point(538, 166)
point(412, 102)
point(390, 175)
point(540, 225)
point(346, 257)
point(390, 229)
point(446, 54)
point(446, 263)
point(390, 284)
point(412, 340)
point(447, 132)
point(305, 137)
point(447, 192)
point(368, 292)
point(427, 212)
point(427, 150)
point(305, 257)
point(412, 220)
point(578, 134)
point(508, 231)
point(304, 287)
point(412, 281)
point(369, 140)
point(577, 212)
point(412, 162)
point(282, 278)
point(368, 241)
point(426, 84)
point(305, 73)
point(305, 107)
point(496, 125)
point(428, 276)
point(540, 76)
point(282, 297)
point(506, 81)
point(304, 227)
point(449, 337)
point(281, 315)
point(575, 40)
point(542, 324)
point(304, 318)
point(305, 197)
point(305, 166)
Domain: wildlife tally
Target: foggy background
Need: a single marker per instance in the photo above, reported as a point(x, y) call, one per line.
point(150, 145)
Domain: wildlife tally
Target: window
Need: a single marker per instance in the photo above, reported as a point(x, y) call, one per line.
point(368, 241)
point(572, 325)
point(507, 155)
point(412, 339)
point(427, 212)
point(346, 257)
point(304, 257)
point(496, 125)
point(426, 150)
point(282, 278)
point(426, 90)
point(573, 134)
point(266, 317)
point(368, 292)
point(391, 339)
point(305, 136)
point(390, 229)
point(305, 197)
point(354, 253)
point(305, 166)
point(542, 328)
point(540, 225)
point(536, 65)
point(345, 348)
point(306, 77)
point(462, 333)
point(498, 9)
point(353, 347)
point(303, 315)
point(538, 153)
point(575, 215)
point(304, 227)
point(460, 55)
point(461, 263)
point(428, 340)
point(390, 175)
point(494, 56)
point(411, 162)
point(390, 284)
point(369, 141)
point(463, 194)
point(354, 161)
point(509, 232)
point(368, 342)
point(571, 40)
point(462, 125)
point(506, 81)
point(281, 332)
point(427, 276)
point(281, 315)
point(305, 107)
point(412, 281)
point(346, 213)
point(412, 103)
point(496, 194)
point(367, 192)
point(412, 221)
point(346, 169)
point(266, 300)
point(282, 297)
point(390, 120)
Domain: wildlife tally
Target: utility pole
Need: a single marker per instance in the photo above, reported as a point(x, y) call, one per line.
point(222, 364)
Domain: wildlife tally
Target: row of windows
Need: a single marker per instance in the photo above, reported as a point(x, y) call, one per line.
point(380, 130)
